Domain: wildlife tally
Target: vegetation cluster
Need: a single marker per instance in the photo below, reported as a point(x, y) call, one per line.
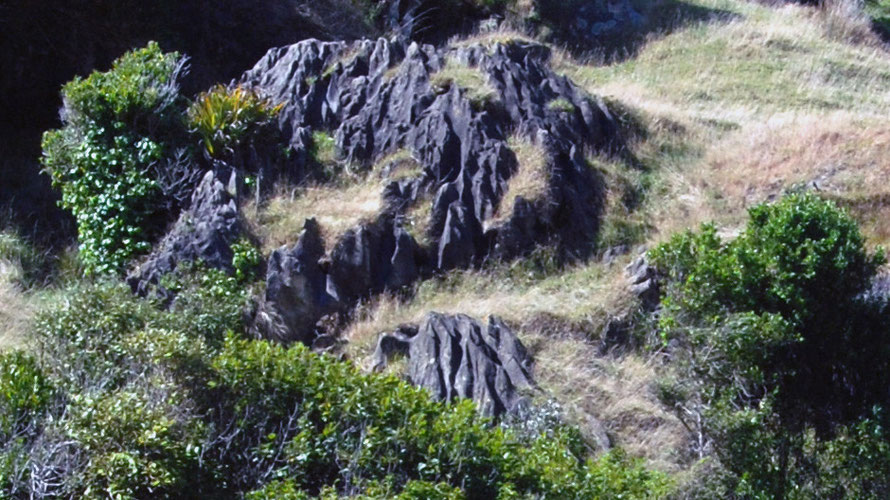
point(762, 374)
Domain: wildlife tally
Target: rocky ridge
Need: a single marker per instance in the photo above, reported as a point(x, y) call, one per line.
point(381, 97)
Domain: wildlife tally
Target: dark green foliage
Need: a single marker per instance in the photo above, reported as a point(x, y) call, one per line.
point(25, 393)
point(777, 339)
point(159, 405)
point(118, 124)
point(312, 422)
point(224, 118)
point(26, 396)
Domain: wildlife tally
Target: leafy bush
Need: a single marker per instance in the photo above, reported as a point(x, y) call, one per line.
point(118, 124)
point(26, 396)
point(159, 407)
point(225, 117)
point(141, 439)
point(760, 321)
point(311, 421)
point(25, 393)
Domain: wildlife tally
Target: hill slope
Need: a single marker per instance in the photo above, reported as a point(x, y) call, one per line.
point(494, 175)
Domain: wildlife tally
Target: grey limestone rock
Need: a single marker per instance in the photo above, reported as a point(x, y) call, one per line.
point(378, 97)
point(295, 296)
point(643, 282)
point(203, 233)
point(459, 357)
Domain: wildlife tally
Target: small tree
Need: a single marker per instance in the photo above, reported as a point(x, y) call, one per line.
point(777, 336)
point(117, 126)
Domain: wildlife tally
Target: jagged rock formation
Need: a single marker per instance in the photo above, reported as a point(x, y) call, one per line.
point(204, 232)
point(302, 285)
point(457, 356)
point(379, 97)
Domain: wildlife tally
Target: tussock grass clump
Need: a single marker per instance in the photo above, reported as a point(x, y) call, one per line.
point(16, 313)
point(398, 165)
point(337, 208)
point(584, 294)
point(530, 181)
point(471, 79)
point(503, 35)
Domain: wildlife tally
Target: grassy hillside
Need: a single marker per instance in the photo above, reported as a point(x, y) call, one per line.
point(736, 107)
point(725, 104)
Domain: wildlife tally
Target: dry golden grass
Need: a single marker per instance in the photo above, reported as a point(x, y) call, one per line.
point(471, 79)
point(16, 309)
point(502, 35)
point(586, 294)
point(618, 392)
point(16, 313)
point(336, 208)
point(751, 103)
point(530, 181)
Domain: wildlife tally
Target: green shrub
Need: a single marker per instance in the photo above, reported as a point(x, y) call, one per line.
point(323, 150)
point(776, 336)
point(81, 334)
point(311, 421)
point(173, 403)
point(25, 394)
point(117, 125)
point(142, 440)
point(26, 398)
point(226, 117)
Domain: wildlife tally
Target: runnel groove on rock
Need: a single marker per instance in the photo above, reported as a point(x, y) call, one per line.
point(459, 357)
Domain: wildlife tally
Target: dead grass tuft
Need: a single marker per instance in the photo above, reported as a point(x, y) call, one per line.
point(503, 35)
point(617, 392)
point(530, 181)
point(583, 295)
point(336, 208)
point(16, 313)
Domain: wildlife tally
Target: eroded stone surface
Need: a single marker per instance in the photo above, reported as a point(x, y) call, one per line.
point(459, 357)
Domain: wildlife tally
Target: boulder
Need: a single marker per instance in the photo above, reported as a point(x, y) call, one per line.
point(295, 296)
point(203, 233)
point(371, 258)
point(643, 281)
point(459, 357)
point(305, 285)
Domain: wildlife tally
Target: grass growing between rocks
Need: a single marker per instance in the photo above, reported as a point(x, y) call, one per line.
point(735, 109)
point(557, 315)
point(336, 207)
point(530, 181)
point(472, 80)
